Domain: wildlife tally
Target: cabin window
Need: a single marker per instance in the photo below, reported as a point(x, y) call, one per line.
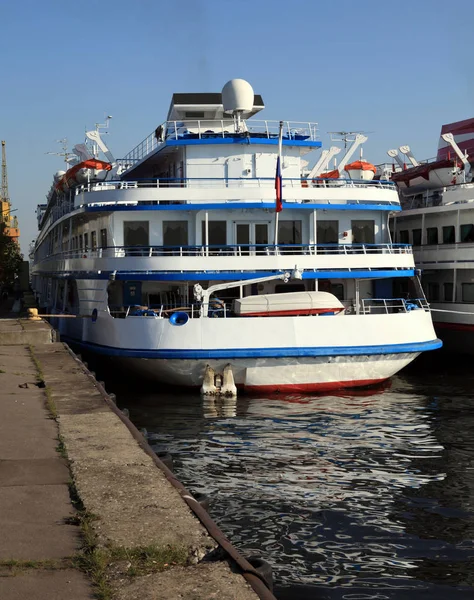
point(433, 292)
point(290, 232)
point(448, 292)
point(261, 233)
point(468, 292)
point(416, 237)
point(136, 233)
point(86, 241)
point(404, 236)
point(363, 232)
point(467, 233)
point(337, 289)
point(432, 235)
point(448, 234)
point(94, 240)
point(217, 231)
point(103, 238)
point(175, 233)
point(285, 288)
point(327, 232)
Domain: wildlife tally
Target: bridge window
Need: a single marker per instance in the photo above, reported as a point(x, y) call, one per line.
point(327, 232)
point(432, 235)
point(86, 241)
point(467, 233)
point(416, 237)
point(404, 236)
point(175, 233)
point(136, 233)
point(94, 240)
point(448, 234)
point(103, 238)
point(217, 233)
point(290, 232)
point(363, 232)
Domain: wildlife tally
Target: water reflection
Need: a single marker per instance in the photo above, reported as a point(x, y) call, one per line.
point(351, 496)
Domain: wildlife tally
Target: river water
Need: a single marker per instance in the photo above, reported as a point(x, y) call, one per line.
point(356, 496)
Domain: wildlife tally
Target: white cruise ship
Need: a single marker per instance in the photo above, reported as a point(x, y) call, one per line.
point(214, 244)
point(437, 198)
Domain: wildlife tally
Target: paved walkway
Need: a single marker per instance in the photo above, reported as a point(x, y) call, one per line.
point(134, 505)
point(36, 541)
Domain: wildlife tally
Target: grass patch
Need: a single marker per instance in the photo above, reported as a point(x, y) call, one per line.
point(50, 404)
point(148, 559)
point(40, 374)
point(2, 371)
point(15, 567)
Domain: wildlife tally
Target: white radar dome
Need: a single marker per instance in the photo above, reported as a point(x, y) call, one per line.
point(58, 175)
point(237, 96)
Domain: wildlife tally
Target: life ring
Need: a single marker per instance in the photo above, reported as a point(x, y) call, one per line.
point(179, 318)
point(304, 183)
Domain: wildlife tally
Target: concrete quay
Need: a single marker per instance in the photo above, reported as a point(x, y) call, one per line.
point(86, 509)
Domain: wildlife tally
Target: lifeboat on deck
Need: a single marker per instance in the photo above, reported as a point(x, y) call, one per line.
point(439, 173)
point(361, 170)
point(85, 171)
point(330, 175)
point(289, 304)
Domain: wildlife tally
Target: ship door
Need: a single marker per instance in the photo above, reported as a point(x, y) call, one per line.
point(252, 238)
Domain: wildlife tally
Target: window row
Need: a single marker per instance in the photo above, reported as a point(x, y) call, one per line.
point(81, 242)
point(437, 292)
point(448, 235)
point(175, 233)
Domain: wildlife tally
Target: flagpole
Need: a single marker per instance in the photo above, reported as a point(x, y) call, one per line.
point(279, 160)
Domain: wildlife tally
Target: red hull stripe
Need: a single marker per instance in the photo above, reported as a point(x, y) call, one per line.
point(293, 313)
point(324, 386)
point(454, 326)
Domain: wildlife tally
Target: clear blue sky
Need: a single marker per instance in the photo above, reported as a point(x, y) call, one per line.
point(398, 69)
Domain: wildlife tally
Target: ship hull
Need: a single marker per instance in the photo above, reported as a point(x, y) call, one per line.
point(273, 375)
point(301, 354)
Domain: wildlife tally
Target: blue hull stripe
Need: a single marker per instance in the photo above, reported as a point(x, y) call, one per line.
point(247, 141)
point(222, 275)
point(239, 205)
point(261, 352)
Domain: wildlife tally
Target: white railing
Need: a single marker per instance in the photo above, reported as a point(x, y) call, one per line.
point(229, 182)
point(223, 128)
point(243, 250)
point(392, 305)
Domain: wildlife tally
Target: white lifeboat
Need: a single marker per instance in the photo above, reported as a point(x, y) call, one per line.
point(436, 174)
point(361, 170)
point(288, 305)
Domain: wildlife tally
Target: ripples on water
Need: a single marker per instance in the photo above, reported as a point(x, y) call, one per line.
point(357, 496)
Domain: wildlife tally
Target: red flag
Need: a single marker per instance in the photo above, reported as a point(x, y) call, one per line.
point(278, 188)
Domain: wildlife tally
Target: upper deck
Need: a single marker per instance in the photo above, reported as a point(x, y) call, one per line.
point(219, 131)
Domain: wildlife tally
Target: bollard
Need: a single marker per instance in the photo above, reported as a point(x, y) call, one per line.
point(32, 314)
point(166, 459)
point(264, 568)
